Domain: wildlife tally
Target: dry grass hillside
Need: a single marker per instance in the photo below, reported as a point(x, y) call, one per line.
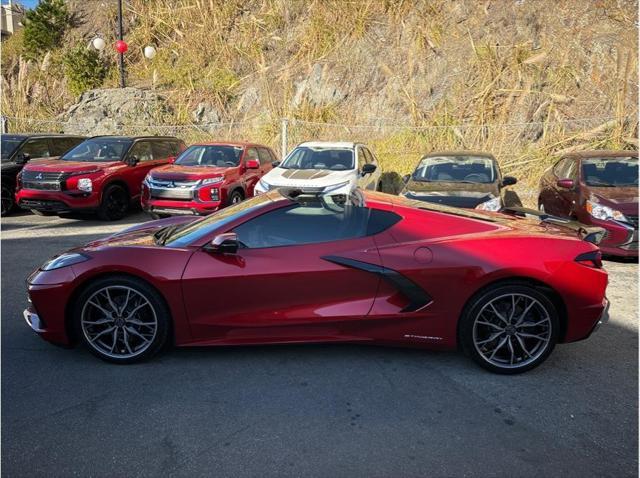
point(524, 79)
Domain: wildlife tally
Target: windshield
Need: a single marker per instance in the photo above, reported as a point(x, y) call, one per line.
point(334, 159)
point(610, 172)
point(216, 156)
point(9, 144)
point(99, 149)
point(453, 169)
point(201, 227)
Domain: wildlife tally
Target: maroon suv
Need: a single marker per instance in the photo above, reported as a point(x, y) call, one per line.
point(598, 188)
point(103, 174)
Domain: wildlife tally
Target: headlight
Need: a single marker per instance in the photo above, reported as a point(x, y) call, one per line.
point(85, 184)
point(604, 213)
point(263, 185)
point(211, 181)
point(147, 180)
point(64, 260)
point(335, 187)
point(493, 204)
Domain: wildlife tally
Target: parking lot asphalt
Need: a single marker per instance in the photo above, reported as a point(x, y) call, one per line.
point(317, 410)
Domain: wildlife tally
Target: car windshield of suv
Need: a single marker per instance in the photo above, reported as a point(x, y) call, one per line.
point(185, 235)
point(99, 149)
point(334, 159)
point(456, 169)
point(215, 156)
point(9, 144)
point(610, 172)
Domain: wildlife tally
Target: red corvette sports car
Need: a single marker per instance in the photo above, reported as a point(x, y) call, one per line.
point(289, 267)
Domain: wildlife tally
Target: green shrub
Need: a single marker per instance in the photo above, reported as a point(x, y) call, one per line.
point(84, 69)
point(44, 26)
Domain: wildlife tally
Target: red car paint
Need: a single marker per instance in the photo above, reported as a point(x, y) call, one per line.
point(162, 194)
point(293, 294)
point(52, 185)
point(564, 192)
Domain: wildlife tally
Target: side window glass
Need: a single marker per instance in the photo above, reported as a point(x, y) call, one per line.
point(252, 154)
point(273, 156)
point(368, 156)
point(571, 170)
point(162, 149)
point(59, 146)
point(37, 148)
point(265, 157)
point(296, 225)
point(142, 151)
point(558, 168)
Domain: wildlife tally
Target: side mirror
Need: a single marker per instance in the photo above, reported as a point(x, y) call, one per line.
point(226, 243)
point(565, 183)
point(508, 181)
point(132, 160)
point(405, 178)
point(252, 164)
point(23, 158)
point(368, 168)
point(275, 164)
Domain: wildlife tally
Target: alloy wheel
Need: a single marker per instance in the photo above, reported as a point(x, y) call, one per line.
point(117, 203)
point(119, 322)
point(512, 331)
point(236, 198)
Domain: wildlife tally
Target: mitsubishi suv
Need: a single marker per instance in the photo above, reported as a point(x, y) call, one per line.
point(103, 174)
point(205, 178)
point(337, 168)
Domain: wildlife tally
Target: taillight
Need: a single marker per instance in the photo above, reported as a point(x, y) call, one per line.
point(590, 259)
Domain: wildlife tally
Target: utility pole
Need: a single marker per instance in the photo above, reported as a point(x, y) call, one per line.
point(120, 37)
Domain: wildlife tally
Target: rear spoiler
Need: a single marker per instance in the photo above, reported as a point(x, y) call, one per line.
point(589, 234)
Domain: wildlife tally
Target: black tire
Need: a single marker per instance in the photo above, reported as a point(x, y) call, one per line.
point(42, 213)
point(8, 200)
point(235, 197)
point(497, 294)
point(160, 314)
point(114, 204)
point(379, 187)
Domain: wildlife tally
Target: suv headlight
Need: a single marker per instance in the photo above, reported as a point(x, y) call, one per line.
point(493, 204)
point(265, 186)
point(335, 187)
point(604, 213)
point(64, 260)
point(85, 184)
point(147, 180)
point(211, 181)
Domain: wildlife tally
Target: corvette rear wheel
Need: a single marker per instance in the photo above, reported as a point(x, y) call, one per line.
point(122, 319)
point(509, 329)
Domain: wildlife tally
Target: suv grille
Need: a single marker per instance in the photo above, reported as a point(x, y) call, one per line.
point(41, 180)
point(167, 189)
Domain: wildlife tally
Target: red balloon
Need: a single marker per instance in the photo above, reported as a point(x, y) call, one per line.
point(121, 46)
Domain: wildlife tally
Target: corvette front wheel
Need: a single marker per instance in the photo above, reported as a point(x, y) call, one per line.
point(122, 319)
point(509, 329)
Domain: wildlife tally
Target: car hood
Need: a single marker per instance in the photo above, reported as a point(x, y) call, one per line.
point(624, 199)
point(58, 166)
point(140, 235)
point(281, 177)
point(465, 195)
point(175, 172)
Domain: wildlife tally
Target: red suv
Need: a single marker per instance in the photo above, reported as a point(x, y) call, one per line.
point(205, 178)
point(102, 174)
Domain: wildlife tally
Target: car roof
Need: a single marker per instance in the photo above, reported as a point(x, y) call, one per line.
point(244, 144)
point(133, 138)
point(329, 144)
point(43, 135)
point(601, 153)
point(459, 153)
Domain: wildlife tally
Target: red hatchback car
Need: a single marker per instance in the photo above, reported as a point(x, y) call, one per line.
point(598, 188)
point(285, 267)
point(103, 174)
point(205, 178)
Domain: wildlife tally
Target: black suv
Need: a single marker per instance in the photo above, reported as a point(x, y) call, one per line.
point(17, 149)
